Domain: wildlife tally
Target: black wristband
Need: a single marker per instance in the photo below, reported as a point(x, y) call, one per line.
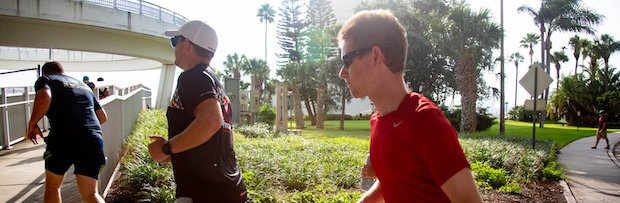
point(166, 148)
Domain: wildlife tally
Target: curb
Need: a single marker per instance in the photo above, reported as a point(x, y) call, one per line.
point(568, 193)
point(611, 152)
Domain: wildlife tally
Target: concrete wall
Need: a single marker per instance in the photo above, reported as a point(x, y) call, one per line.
point(122, 114)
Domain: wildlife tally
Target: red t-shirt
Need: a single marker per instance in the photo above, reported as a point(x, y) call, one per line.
point(414, 150)
point(602, 120)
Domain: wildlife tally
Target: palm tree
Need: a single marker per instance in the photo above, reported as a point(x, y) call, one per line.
point(606, 46)
point(474, 36)
point(561, 15)
point(573, 96)
point(577, 44)
point(557, 58)
point(259, 71)
point(529, 41)
point(266, 14)
point(516, 58)
point(234, 63)
point(586, 48)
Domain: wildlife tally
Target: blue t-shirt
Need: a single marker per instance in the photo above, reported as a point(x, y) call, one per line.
point(72, 109)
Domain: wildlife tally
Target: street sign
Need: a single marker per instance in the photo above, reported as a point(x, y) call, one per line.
point(544, 80)
point(529, 105)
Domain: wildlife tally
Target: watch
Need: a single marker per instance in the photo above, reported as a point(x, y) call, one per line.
point(166, 148)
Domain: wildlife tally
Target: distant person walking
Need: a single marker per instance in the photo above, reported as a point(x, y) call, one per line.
point(90, 84)
point(414, 150)
point(200, 144)
point(75, 137)
point(602, 129)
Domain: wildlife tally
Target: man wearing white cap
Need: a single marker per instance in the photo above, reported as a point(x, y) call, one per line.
point(200, 144)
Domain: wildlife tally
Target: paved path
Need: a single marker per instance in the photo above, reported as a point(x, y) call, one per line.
point(22, 174)
point(593, 174)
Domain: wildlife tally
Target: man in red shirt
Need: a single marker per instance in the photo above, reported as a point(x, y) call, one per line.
point(414, 151)
point(602, 129)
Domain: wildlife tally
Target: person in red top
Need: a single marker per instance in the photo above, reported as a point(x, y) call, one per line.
point(414, 151)
point(602, 129)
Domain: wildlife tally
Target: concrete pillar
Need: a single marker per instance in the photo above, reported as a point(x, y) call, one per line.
point(164, 91)
point(5, 124)
point(281, 107)
point(27, 105)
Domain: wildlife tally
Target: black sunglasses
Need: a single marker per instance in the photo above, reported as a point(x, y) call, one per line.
point(348, 58)
point(175, 40)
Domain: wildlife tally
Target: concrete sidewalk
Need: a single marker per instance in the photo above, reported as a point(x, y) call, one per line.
point(22, 175)
point(593, 174)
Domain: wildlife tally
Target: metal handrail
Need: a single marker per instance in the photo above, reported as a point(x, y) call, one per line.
point(143, 8)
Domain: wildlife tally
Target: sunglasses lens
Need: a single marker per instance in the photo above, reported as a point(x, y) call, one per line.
point(174, 40)
point(347, 61)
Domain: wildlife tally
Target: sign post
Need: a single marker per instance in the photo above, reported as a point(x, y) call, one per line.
point(535, 81)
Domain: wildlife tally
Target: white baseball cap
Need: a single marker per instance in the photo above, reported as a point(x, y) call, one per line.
point(199, 33)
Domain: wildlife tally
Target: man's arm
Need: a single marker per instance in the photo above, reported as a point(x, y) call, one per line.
point(102, 116)
point(373, 194)
point(208, 120)
point(461, 187)
point(42, 101)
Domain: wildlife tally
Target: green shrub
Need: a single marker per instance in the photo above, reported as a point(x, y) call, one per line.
point(258, 130)
point(488, 177)
point(553, 172)
point(304, 197)
point(513, 154)
point(518, 113)
point(267, 115)
point(484, 120)
point(511, 188)
point(146, 179)
point(260, 197)
point(295, 169)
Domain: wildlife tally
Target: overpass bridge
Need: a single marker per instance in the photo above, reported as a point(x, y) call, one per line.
point(131, 30)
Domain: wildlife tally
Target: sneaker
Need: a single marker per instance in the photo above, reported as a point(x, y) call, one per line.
point(593, 147)
point(607, 147)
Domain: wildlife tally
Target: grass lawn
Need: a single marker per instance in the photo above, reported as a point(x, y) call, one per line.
point(360, 129)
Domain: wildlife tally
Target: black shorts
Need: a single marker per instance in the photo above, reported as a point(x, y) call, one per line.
point(87, 157)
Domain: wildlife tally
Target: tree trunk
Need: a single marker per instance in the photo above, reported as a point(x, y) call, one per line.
point(343, 103)
point(576, 63)
point(310, 112)
point(266, 22)
point(320, 97)
point(516, 86)
point(299, 114)
point(557, 86)
point(237, 74)
point(543, 114)
point(606, 74)
point(467, 85)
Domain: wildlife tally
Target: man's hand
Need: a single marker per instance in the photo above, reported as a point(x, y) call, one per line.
point(155, 149)
point(368, 172)
point(32, 132)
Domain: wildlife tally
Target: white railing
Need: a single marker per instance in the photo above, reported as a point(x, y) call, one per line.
point(15, 107)
point(142, 8)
